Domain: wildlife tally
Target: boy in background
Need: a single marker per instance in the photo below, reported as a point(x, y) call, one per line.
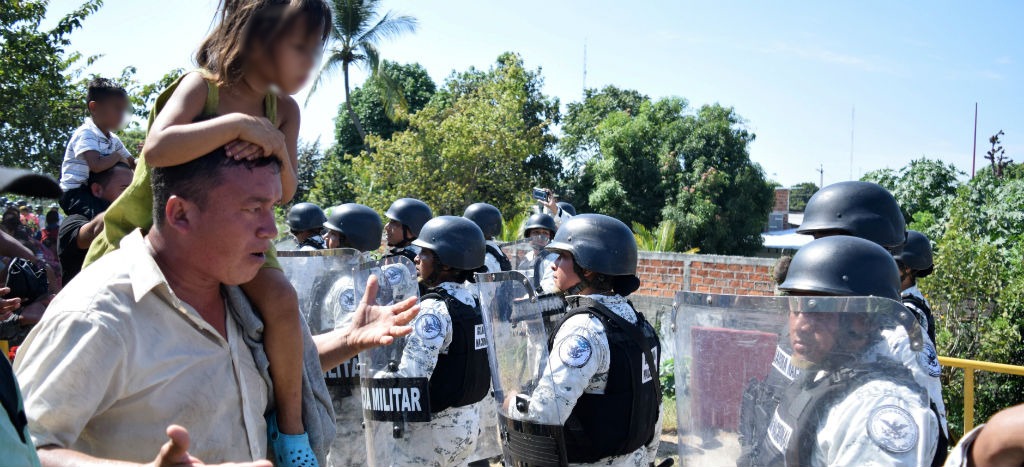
point(94, 148)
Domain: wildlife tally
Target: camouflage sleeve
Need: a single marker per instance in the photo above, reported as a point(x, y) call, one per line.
point(578, 361)
point(431, 335)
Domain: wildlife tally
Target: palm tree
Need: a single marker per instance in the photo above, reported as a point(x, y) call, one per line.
point(355, 35)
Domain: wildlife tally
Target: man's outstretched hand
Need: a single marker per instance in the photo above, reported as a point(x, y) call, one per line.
point(372, 326)
point(375, 325)
point(175, 453)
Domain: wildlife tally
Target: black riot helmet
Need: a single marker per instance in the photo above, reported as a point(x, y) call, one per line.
point(360, 225)
point(305, 216)
point(859, 209)
point(917, 254)
point(567, 208)
point(843, 266)
point(540, 221)
point(411, 213)
point(457, 242)
point(485, 216)
point(600, 244)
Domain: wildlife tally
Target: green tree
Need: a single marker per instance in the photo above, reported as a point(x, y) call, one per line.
point(724, 199)
point(331, 183)
point(311, 161)
point(470, 143)
point(368, 103)
point(977, 290)
point(925, 189)
point(42, 104)
point(799, 194)
point(356, 34)
point(635, 174)
point(579, 143)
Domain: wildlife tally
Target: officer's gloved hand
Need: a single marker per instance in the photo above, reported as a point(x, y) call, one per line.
point(289, 450)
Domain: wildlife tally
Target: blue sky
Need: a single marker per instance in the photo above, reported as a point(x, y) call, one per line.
point(794, 70)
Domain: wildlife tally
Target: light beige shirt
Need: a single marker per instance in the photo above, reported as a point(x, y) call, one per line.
point(118, 357)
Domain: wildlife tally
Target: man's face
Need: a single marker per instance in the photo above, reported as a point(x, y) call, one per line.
point(565, 275)
point(539, 238)
point(119, 181)
point(394, 232)
point(813, 335)
point(109, 113)
point(236, 226)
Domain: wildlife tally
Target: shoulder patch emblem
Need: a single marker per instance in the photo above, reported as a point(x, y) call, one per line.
point(348, 300)
point(394, 275)
point(893, 429)
point(428, 326)
point(575, 351)
point(929, 360)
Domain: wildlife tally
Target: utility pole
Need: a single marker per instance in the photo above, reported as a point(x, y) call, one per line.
point(584, 67)
point(974, 142)
point(852, 110)
point(821, 175)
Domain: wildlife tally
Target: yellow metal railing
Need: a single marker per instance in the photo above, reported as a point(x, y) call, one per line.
point(969, 366)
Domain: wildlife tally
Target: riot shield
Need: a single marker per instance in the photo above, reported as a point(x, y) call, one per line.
point(516, 252)
point(725, 347)
point(514, 320)
point(395, 397)
point(323, 280)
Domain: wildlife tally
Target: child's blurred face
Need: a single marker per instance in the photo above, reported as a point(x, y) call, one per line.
point(108, 114)
point(294, 56)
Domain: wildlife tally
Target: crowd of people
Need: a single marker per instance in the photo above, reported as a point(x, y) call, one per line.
point(158, 326)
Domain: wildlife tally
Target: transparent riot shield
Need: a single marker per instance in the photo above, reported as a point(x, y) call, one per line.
point(323, 280)
point(516, 252)
point(727, 345)
point(395, 395)
point(529, 421)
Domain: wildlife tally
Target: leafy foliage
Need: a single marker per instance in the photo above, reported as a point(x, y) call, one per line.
point(925, 188)
point(662, 238)
point(369, 102)
point(977, 290)
point(471, 143)
point(330, 185)
point(42, 104)
point(724, 198)
point(512, 228)
point(311, 160)
point(799, 194)
point(356, 33)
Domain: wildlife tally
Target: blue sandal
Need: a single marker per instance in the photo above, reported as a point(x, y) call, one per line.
point(289, 450)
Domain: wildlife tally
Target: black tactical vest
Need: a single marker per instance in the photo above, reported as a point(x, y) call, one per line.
point(462, 376)
point(404, 251)
point(499, 255)
point(923, 312)
point(622, 419)
point(797, 418)
point(760, 398)
point(314, 242)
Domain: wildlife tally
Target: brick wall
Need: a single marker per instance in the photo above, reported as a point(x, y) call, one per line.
point(664, 274)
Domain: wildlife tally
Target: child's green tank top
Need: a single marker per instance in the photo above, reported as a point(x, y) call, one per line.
point(134, 208)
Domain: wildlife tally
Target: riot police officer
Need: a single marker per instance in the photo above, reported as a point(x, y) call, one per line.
point(406, 217)
point(915, 261)
point(306, 222)
point(853, 403)
point(358, 227)
point(355, 226)
point(539, 265)
point(601, 375)
point(867, 210)
point(445, 346)
point(489, 219)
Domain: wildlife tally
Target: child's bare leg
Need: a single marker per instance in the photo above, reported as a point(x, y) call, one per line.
point(276, 301)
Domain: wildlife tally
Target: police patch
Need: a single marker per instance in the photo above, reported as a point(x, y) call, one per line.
point(428, 326)
point(348, 300)
point(395, 275)
point(893, 429)
point(575, 351)
point(929, 359)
